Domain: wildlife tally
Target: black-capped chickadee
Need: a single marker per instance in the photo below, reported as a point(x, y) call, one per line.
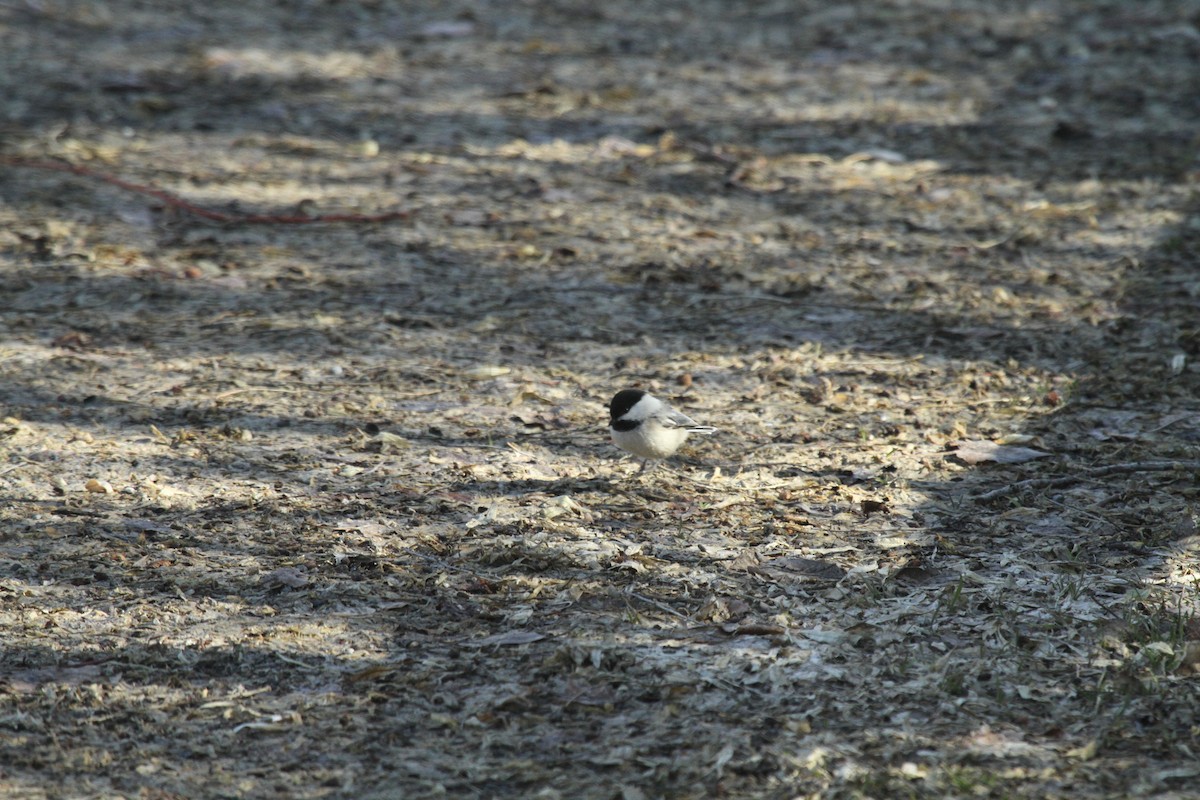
point(647, 427)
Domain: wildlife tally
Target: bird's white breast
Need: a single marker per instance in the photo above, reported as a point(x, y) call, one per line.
point(650, 440)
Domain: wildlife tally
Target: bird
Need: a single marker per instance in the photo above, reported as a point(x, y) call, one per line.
point(647, 427)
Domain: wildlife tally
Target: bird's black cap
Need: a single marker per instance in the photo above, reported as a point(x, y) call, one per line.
point(623, 401)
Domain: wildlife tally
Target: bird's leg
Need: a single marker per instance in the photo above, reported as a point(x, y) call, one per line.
point(648, 466)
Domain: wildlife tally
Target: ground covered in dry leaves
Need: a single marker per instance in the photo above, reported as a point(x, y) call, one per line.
point(328, 510)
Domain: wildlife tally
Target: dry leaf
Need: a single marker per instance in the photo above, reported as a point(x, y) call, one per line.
point(753, 629)
point(974, 451)
point(291, 577)
point(509, 638)
point(1085, 752)
point(721, 609)
point(809, 567)
point(484, 373)
point(391, 442)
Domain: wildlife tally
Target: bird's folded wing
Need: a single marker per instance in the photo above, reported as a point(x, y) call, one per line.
point(677, 419)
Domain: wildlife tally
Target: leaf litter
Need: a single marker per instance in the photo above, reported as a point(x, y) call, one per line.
point(328, 510)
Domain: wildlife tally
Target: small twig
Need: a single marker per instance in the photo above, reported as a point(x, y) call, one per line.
point(1094, 472)
point(265, 389)
point(205, 213)
point(656, 604)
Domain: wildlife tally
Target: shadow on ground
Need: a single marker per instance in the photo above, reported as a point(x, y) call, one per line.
point(257, 597)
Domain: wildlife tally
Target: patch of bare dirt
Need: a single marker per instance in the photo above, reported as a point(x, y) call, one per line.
point(328, 509)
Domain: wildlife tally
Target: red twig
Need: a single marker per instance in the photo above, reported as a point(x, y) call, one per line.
point(199, 211)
